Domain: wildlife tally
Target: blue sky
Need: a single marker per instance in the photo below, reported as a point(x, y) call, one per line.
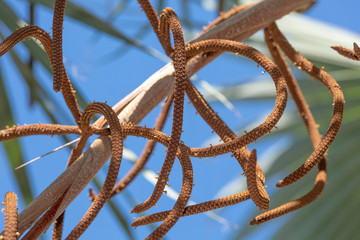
point(94, 65)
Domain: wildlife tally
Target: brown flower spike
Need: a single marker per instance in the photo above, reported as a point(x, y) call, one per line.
point(11, 217)
point(351, 54)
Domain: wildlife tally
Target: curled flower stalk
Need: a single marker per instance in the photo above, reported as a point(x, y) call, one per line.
point(338, 104)
point(169, 19)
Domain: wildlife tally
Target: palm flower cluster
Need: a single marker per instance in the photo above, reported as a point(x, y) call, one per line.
point(49, 207)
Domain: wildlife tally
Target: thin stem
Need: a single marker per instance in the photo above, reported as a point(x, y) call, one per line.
point(196, 209)
point(37, 129)
point(57, 59)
